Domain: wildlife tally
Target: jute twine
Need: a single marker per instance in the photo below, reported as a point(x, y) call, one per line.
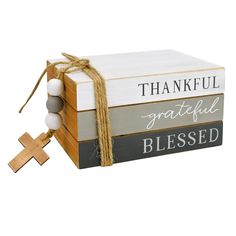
point(102, 113)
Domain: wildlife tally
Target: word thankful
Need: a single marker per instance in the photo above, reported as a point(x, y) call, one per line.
point(181, 85)
point(181, 140)
point(182, 110)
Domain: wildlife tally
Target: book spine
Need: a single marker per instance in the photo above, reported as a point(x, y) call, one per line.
point(151, 88)
point(154, 143)
point(151, 116)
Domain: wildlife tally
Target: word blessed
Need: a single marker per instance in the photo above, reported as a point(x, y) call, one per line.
point(181, 140)
point(182, 110)
point(184, 85)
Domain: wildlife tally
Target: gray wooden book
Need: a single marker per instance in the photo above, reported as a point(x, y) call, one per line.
point(153, 143)
point(142, 145)
point(147, 117)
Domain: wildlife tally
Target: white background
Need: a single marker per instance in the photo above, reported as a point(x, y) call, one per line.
point(191, 193)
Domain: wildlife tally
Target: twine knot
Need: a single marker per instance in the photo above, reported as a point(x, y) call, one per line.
point(75, 62)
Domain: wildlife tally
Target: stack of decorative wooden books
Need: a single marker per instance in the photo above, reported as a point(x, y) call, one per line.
point(160, 102)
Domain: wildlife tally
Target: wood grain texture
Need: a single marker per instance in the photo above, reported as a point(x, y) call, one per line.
point(69, 93)
point(33, 149)
point(70, 119)
point(69, 144)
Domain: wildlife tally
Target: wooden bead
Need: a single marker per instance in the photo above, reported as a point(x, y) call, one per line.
point(53, 121)
point(54, 104)
point(55, 87)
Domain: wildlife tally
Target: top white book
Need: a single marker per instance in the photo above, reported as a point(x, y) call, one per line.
point(141, 77)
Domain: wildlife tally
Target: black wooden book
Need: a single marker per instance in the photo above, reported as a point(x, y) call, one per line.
point(154, 143)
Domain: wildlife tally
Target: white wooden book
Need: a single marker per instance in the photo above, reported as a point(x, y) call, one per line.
point(142, 77)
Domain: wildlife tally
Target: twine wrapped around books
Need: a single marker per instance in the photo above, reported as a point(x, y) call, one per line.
point(102, 113)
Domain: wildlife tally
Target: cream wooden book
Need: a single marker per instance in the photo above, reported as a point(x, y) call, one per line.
point(142, 77)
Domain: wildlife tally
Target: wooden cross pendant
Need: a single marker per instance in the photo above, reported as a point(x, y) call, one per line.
point(33, 149)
